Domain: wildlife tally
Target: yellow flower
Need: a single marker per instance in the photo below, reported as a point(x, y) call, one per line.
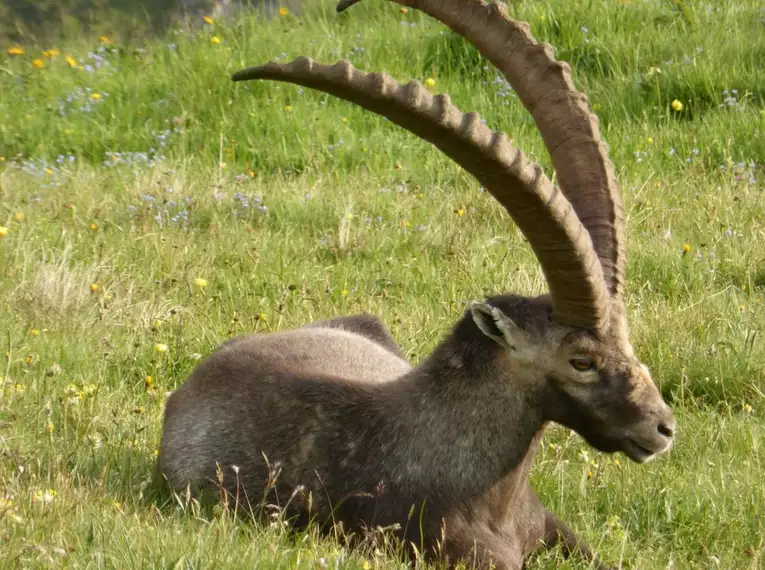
point(215, 40)
point(51, 53)
point(283, 11)
point(748, 409)
point(686, 248)
point(649, 140)
point(344, 119)
point(44, 497)
point(404, 10)
point(148, 382)
point(70, 61)
point(95, 96)
point(200, 283)
point(49, 427)
point(366, 565)
point(288, 108)
point(460, 212)
point(94, 226)
point(19, 216)
point(344, 293)
point(3, 231)
point(677, 105)
point(35, 332)
point(117, 506)
point(38, 63)
point(15, 50)
point(430, 83)
point(260, 317)
point(208, 20)
point(161, 348)
point(94, 287)
point(104, 39)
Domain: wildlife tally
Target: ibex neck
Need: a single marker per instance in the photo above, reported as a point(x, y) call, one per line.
point(461, 424)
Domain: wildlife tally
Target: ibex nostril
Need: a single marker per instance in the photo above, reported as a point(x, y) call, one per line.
point(666, 430)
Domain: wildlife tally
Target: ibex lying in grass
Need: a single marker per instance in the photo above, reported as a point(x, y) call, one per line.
point(443, 449)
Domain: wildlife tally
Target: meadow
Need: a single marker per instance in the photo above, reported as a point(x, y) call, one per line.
point(150, 209)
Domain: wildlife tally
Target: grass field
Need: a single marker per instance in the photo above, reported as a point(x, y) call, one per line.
point(150, 209)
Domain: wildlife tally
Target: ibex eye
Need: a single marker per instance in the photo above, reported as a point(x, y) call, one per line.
point(582, 363)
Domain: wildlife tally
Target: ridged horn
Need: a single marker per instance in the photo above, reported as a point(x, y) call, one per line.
point(562, 115)
point(559, 240)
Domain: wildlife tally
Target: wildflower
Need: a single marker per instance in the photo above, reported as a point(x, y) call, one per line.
point(283, 11)
point(677, 106)
point(460, 212)
point(94, 226)
point(686, 248)
point(3, 231)
point(51, 53)
point(208, 20)
point(49, 427)
point(260, 317)
point(344, 119)
point(649, 140)
point(15, 50)
point(748, 409)
point(117, 506)
point(200, 283)
point(94, 287)
point(430, 83)
point(148, 382)
point(19, 216)
point(344, 293)
point(44, 497)
point(288, 108)
point(161, 348)
point(95, 96)
point(404, 10)
point(70, 61)
point(35, 332)
point(104, 39)
point(38, 63)
point(215, 40)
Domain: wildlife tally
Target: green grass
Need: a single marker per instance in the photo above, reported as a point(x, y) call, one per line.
point(361, 216)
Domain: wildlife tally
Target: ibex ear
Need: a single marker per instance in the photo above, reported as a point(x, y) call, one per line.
point(496, 325)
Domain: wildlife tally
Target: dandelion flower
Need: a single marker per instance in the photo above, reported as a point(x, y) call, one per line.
point(288, 108)
point(104, 39)
point(649, 140)
point(344, 292)
point(51, 53)
point(677, 105)
point(215, 40)
point(283, 11)
point(748, 409)
point(19, 216)
point(38, 63)
point(49, 427)
point(95, 96)
point(148, 382)
point(161, 348)
point(430, 83)
point(3, 231)
point(460, 212)
point(200, 283)
point(94, 287)
point(686, 248)
point(208, 20)
point(70, 61)
point(15, 50)
point(35, 332)
point(94, 226)
point(344, 119)
point(404, 10)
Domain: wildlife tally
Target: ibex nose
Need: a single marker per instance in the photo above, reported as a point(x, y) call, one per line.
point(667, 425)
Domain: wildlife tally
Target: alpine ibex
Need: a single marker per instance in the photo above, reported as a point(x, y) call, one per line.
point(444, 449)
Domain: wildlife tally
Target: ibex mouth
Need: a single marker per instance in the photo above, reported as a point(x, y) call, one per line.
point(639, 453)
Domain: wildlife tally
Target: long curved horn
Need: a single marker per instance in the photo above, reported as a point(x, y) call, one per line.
point(562, 115)
point(560, 242)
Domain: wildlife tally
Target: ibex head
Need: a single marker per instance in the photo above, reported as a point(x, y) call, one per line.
point(594, 382)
